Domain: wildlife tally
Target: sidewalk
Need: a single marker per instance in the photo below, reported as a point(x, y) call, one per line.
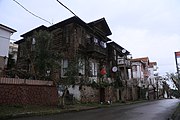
point(176, 114)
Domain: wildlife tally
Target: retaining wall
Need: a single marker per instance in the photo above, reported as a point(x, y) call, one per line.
point(23, 94)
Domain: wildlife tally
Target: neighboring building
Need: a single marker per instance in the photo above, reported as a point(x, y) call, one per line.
point(152, 80)
point(5, 34)
point(152, 69)
point(13, 51)
point(119, 64)
point(144, 71)
point(138, 68)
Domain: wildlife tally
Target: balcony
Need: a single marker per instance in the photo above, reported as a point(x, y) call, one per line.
point(125, 62)
point(95, 49)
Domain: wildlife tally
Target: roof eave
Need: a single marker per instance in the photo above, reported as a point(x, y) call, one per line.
point(7, 28)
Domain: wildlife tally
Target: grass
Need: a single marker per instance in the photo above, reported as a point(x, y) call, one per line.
point(8, 111)
point(11, 111)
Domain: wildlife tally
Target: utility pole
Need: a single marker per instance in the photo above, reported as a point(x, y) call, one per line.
point(157, 85)
point(177, 56)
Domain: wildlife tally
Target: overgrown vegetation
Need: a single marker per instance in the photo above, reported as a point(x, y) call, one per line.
point(174, 78)
point(8, 111)
point(42, 59)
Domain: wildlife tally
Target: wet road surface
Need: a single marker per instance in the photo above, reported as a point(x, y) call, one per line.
point(153, 110)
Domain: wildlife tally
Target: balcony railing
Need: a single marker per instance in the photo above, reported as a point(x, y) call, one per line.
point(97, 49)
point(121, 61)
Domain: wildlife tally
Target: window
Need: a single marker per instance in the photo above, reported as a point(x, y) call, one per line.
point(33, 44)
point(93, 68)
point(64, 67)
point(33, 41)
point(103, 44)
point(134, 68)
point(81, 67)
point(95, 41)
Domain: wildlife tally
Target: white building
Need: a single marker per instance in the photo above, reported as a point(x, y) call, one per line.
point(138, 68)
point(5, 34)
point(13, 50)
point(152, 69)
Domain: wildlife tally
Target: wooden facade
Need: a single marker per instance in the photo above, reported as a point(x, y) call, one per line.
point(73, 37)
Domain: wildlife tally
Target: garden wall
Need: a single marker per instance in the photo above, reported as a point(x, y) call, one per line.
point(26, 94)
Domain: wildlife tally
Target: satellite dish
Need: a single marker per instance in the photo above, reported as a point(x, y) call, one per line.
point(114, 69)
point(124, 51)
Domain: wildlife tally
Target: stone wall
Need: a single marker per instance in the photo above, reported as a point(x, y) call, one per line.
point(20, 94)
point(110, 94)
point(89, 94)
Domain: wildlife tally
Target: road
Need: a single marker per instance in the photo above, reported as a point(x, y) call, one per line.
point(153, 110)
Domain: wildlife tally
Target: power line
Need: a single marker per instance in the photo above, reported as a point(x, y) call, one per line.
point(72, 12)
point(31, 12)
point(67, 8)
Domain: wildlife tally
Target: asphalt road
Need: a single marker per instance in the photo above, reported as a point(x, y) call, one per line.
point(154, 110)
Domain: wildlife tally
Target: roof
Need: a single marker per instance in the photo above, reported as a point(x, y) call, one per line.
point(138, 60)
point(7, 28)
point(101, 25)
point(19, 41)
point(73, 19)
point(177, 54)
point(118, 47)
point(42, 27)
point(151, 64)
point(144, 59)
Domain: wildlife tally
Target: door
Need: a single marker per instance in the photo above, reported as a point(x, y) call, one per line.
point(102, 95)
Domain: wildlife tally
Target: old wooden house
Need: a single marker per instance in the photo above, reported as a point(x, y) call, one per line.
point(86, 43)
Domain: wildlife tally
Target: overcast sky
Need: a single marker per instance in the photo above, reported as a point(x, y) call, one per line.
point(146, 28)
